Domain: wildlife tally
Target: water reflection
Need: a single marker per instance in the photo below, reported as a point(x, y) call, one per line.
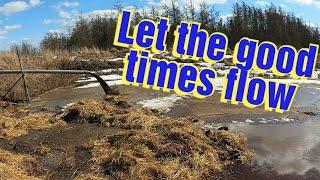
point(287, 147)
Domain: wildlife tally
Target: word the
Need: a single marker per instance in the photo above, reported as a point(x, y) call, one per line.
point(191, 42)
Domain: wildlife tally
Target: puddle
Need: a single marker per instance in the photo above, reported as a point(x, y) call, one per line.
point(286, 145)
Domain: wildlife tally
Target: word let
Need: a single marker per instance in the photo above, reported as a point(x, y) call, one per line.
point(147, 34)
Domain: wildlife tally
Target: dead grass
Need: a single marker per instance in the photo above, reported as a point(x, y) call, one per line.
point(15, 122)
point(154, 147)
point(40, 84)
point(16, 166)
point(147, 147)
point(15, 127)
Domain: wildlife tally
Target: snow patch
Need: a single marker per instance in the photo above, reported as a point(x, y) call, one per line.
point(115, 60)
point(162, 104)
point(228, 56)
point(111, 70)
point(63, 108)
point(111, 77)
point(112, 80)
point(298, 81)
point(92, 85)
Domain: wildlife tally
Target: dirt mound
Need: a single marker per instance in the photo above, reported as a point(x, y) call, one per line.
point(111, 112)
point(155, 147)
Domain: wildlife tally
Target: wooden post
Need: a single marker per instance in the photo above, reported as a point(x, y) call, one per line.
point(25, 84)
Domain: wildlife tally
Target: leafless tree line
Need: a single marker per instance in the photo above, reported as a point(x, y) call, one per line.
point(271, 23)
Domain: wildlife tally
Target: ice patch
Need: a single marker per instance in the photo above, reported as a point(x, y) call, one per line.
point(111, 70)
point(162, 104)
point(218, 84)
point(297, 81)
point(92, 85)
point(111, 80)
point(111, 77)
point(237, 122)
point(171, 58)
point(63, 108)
point(72, 58)
point(249, 121)
point(287, 120)
point(218, 65)
point(316, 74)
point(115, 60)
point(263, 122)
point(223, 72)
point(228, 56)
point(204, 64)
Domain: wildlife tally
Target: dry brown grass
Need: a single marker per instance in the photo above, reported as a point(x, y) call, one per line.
point(16, 166)
point(40, 83)
point(15, 122)
point(15, 127)
point(147, 147)
point(154, 147)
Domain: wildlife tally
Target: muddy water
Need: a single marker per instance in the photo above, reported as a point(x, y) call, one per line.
point(286, 144)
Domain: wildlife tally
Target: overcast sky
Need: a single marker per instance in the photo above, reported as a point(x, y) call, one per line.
point(29, 20)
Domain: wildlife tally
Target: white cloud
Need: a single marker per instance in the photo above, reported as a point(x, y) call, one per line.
point(262, 3)
point(151, 2)
point(225, 17)
point(55, 31)
point(317, 3)
point(12, 27)
point(47, 21)
point(307, 2)
point(284, 6)
point(13, 7)
point(34, 3)
point(6, 29)
point(299, 15)
point(196, 3)
point(64, 14)
point(18, 6)
point(313, 25)
point(68, 4)
point(102, 12)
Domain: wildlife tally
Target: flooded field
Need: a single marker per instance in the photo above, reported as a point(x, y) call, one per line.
point(284, 144)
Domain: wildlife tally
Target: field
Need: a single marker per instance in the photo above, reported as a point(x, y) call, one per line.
point(63, 60)
point(106, 138)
